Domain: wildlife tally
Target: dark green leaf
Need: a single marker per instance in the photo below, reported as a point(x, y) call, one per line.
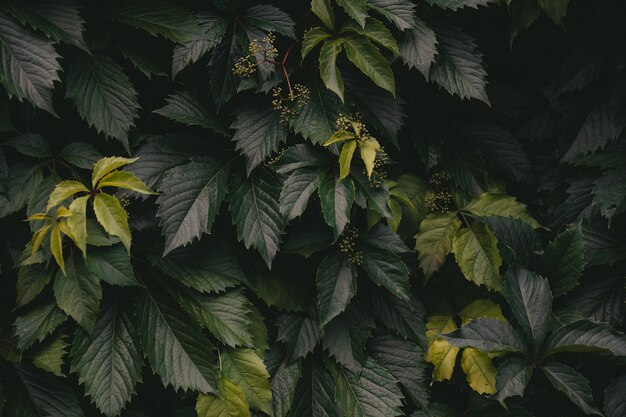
point(29, 64)
point(256, 213)
point(188, 109)
point(488, 335)
point(387, 269)
point(357, 9)
point(109, 363)
point(175, 348)
point(336, 198)
point(300, 334)
point(35, 325)
point(512, 377)
point(270, 18)
point(418, 47)
point(191, 200)
point(296, 192)
point(369, 61)
point(586, 336)
point(572, 384)
point(563, 261)
point(398, 12)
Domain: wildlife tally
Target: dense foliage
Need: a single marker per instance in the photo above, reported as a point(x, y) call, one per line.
point(361, 208)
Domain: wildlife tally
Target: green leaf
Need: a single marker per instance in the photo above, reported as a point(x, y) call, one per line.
point(112, 217)
point(284, 383)
point(246, 369)
point(387, 269)
point(78, 293)
point(59, 20)
point(398, 12)
point(382, 237)
point(324, 10)
point(336, 198)
point(102, 94)
point(356, 9)
point(296, 192)
point(312, 38)
point(572, 384)
point(271, 19)
point(300, 334)
point(488, 335)
point(212, 30)
point(555, 9)
point(586, 336)
point(224, 315)
point(231, 403)
point(345, 159)
point(440, 352)
point(279, 291)
point(50, 356)
point(433, 242)
point(170, 20)
point(336, 285)
point(255, 210)
point(145, 60)
point(476, 252)
point(563, 260)
point(375, 31)
point(300, 156)
point(315, 394)
point(111, 264)
point(512, 377)
point(458, 67)
point(175, 347)
point(206, 269)
point(371, 393)
point(494, 204)
point(77, 222)
point(191, 199)
point(35, 325)
point(406, 319)
point(56, 246)
point(368, 149)
point(328, 66)
point(186, 108)
point(418, 47)
point(405, 361)
point(109, 363)
point(480, 372)
point(609, 194)
point(31, 280)
point(30, 144)
point(223, 83)
point(124, 180)
point(29, 64)
point(22, 181)
point(369, 61)
point(614, 401)
point(43, 394)
point(259, 133)
point(457, 4)
point(106, 165)
point(346, 337)
point(531, 302)
point(64, 190)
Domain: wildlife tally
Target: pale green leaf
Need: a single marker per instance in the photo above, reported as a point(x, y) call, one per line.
point(246, 369)
point(433, 242)
point(112, 217)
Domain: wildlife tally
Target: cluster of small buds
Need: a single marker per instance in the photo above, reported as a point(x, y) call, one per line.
point(276, 157)
point(291, 105)
point(347, 245)
point(439, 201)
point(124, 202)
point(353, 124)
point(379, 175)
point(439, 180)
point(257, 51)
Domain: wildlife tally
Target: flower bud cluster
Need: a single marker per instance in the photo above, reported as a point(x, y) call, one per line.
point(441, 199)
point(348, 245)
point(263, 51)
point(291, 105)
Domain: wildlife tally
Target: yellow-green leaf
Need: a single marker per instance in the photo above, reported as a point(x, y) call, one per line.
point(480, 372)
point(63, 191)
point(77, 223)
point(38, 237)
point(106, 165)
point(483, 307)
point(56, 246)
point(122, 179)
point(497, 204)
point(476, 251)
point(339, 137)
point(368, 154)
point(112, 217)
point(440, 353)
point(232, 402)
point(345, 159)
point(246, 369)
